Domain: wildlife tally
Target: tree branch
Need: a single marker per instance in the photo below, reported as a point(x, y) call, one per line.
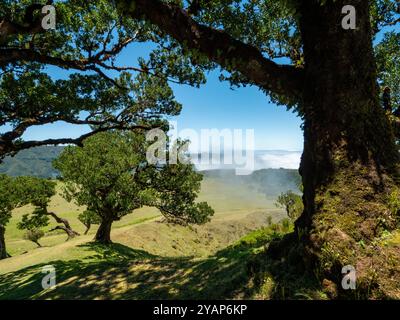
point(66, 226)
point(11, 147)
point(218, 46)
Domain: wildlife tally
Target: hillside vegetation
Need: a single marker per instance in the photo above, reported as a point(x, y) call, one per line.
point(32, 162)
point(145, 248)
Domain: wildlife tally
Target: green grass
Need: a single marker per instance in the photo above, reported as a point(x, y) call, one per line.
point(230, 203)
point(121, 272)
point(149, 259)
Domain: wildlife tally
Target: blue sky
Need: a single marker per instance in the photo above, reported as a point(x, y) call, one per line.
point(213, 105)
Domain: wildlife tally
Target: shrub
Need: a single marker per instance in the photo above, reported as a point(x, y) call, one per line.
point(34, 235)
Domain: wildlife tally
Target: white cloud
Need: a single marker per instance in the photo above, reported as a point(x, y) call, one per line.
point(279, 159)
point(262, 160)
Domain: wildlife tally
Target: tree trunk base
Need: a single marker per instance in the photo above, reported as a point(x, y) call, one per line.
point(103, 234)
point(356, 216)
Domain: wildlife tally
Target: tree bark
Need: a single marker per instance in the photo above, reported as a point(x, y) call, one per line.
point(87, 228)
point(70, 233)
point(217, 45)
point(350, 159)
point(3, 251)
point(103, 234)
point(66, 226)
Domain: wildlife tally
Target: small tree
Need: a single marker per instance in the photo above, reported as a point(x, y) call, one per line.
point(34, 235)
point(38, 192)
point(88, 218)
point(292, 203)
point(111, 176)
point(33, 224)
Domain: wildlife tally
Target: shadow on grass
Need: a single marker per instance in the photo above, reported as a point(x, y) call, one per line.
point(120, 272)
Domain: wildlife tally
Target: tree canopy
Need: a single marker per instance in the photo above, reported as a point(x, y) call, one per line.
point(112, 177)
point(95, 90)
point(24, 190)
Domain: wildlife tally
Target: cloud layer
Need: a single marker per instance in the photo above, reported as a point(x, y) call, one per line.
point(263, 159)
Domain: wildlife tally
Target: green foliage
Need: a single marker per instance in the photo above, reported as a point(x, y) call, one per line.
point(90, 35)
point(33, 224)
point(286, 224)
point(394, 204)
point(35, 221)
point(100, 174)
point(87, 39)
point(88, 218)
point(8, 200)
point(34, 235)
point(292, 203)
point(176, 187)
point(388, 61)
point(16, 192)
point(270, 26)
point(35, 191)
point(383, 13)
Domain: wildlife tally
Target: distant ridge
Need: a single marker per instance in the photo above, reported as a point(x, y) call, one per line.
point(271, 182)
point(32, 162)
point(38, 162)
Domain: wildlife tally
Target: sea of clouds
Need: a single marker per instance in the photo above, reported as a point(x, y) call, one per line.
point(263, 159)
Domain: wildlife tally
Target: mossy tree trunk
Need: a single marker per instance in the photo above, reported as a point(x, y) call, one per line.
point(349, 164)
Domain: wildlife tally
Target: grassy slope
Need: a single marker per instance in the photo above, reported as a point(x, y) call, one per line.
point(121, 272)
point(145, 249)
point(154, 260)
point(229, 201)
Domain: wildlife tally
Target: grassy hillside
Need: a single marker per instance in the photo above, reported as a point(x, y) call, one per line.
point(149, 259)
point(231, 202)
point(270, 182)
point(122, 272)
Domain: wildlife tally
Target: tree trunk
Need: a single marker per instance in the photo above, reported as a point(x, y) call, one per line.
point(87, 228)
point(70, 233)
point(3, 251)
point(66, 226)
point(103, 234)
point(350, 159)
